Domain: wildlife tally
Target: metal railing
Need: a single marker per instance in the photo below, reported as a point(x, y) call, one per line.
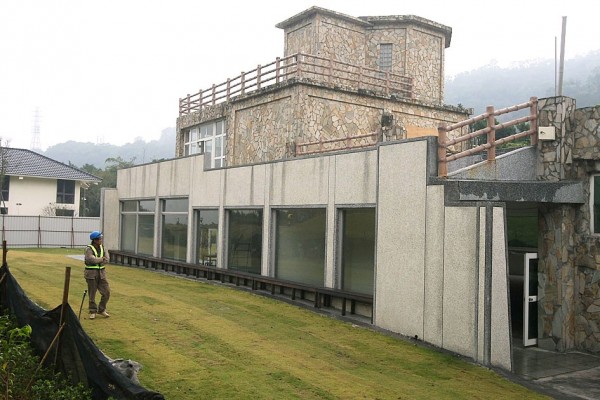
point(490, 131)
point(46, 231)
point(300, 66)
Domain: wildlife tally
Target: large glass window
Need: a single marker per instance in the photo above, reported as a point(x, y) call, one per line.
point(137, 226)
point(174, 229)
point(65, 191)
point(207, 229)
point(207, 138)
point(300, 245)
point(358, 249)
point(595, 202)
point(244, 244)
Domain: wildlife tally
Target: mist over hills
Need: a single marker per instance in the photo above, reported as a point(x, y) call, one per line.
point(489, 85)
point(140, 151)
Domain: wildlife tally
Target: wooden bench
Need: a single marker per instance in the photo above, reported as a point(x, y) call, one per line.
point(322, 295)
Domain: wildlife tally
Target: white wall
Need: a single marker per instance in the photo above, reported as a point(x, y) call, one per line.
point(35, 194)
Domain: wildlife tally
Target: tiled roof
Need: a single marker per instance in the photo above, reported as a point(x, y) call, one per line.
point(21, 162)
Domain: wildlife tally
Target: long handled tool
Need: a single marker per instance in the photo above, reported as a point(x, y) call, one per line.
point(81, 306)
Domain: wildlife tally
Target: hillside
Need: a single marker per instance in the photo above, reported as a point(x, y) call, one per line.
point(81, 153)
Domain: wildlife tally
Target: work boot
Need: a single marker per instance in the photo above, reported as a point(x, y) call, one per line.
point(105, 314)
point(92, 315)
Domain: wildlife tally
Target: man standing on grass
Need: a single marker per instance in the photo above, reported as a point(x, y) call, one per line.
point(95, 275)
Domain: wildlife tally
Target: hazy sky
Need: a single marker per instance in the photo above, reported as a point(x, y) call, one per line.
point(113, 70)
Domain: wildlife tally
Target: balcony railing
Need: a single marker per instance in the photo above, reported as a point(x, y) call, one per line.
point(490, 131)
point(303, 67)
point(349, 142)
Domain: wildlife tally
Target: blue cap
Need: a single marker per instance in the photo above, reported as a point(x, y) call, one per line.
point(95, 235)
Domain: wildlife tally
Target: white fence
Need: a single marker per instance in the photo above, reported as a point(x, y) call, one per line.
point(40, 231)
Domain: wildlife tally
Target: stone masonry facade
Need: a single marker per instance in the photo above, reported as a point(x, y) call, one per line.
point(569, 253)
point(267, 124)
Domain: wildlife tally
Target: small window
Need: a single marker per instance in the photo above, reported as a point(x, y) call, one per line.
point(5, 188)
point(3, 210)
point(385, 57)
point(65, 191)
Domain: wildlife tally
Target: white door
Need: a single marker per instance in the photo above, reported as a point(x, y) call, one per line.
point(530, 299)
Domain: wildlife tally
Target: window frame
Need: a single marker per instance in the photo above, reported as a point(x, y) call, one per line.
point(137, 213)
point(386, 57)
point(163, 212)
point(5, 188)
point(62, 192)
point(198, 140)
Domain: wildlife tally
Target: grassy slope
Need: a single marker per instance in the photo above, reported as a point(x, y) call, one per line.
point(202, 341)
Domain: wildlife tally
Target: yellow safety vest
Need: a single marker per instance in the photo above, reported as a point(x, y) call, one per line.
point(96, 266)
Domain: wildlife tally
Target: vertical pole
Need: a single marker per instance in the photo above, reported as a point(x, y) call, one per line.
point(330, 70)
point(491, 136)
point(562, 55)
point(4, 251)
point(228, 88)
point(298, 66)
point(242, 82)
point(442, 165)
point(65, 301)
point(533, 124)
point(213, 94)
point(258, 76)
point(277, 67)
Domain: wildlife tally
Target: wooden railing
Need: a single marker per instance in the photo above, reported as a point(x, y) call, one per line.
point(300, 66)
point(349, 142)
point(490, 131)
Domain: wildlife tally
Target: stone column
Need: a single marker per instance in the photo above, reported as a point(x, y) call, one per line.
point(556, 238)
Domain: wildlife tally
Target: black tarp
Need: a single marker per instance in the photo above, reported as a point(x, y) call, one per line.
point(78, 357)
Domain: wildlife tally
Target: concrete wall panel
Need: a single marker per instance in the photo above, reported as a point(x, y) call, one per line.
point(174, 177)
point(300, 182)
point(355, 178)
point(501, 346)
point(245, 186)
point(434, 266)
point(401, 238)
point(460, 280)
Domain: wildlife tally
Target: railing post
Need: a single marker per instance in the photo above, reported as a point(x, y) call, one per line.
point(491, 136)
point(180, 111)
point(387, 83)
point(533, 124)
point(228, 88)
point(298, 66)
point(242, 82)
point(330, 70)
point(258, 76)
point(213, 94)
point(442, 164)
point(360, 73)
point(277, 66)
point(188, 103)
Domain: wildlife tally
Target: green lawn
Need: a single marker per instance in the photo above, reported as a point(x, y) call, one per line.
point(203, 341)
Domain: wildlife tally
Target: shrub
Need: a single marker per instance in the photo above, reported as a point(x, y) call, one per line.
point(18, 365)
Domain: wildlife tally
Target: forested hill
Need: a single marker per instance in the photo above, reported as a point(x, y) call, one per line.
point(503, 87)
point(489, 85)
point(139, 152)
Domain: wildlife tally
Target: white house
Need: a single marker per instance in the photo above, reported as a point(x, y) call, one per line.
point(33, 184)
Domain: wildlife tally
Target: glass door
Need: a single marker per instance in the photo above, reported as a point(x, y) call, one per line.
point(530, 300)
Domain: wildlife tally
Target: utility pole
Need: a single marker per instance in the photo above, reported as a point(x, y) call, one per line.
point(561, 69)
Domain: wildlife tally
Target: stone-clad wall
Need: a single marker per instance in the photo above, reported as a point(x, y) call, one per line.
point(569, 253)
point(266, 126)
point(425, 64)
point(301, 38)
point(341, 40)
point(395, 36)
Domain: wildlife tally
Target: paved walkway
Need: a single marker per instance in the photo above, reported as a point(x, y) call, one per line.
point(572, 375)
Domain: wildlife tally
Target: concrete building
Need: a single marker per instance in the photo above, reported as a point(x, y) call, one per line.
point(338, 187)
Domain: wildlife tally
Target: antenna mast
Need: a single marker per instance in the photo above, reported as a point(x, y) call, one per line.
point(35, 134)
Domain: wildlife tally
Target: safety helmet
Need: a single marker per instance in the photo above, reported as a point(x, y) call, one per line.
point(95, 235)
